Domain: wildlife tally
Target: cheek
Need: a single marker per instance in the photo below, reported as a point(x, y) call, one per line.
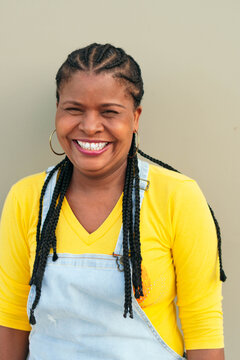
point(123, 134)
point(64, 124)
point(123, 128)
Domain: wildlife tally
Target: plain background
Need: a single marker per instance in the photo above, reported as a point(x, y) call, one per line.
point(189, 52)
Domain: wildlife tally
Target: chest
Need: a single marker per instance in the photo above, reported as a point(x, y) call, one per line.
point(91, 211)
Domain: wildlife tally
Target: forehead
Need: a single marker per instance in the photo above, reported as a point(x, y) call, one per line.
point(87, 86)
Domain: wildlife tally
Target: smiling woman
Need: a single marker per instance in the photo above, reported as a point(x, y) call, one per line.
point(104, 234)
point(95, 109)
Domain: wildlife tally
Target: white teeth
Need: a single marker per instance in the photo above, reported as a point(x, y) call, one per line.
point(92, 146)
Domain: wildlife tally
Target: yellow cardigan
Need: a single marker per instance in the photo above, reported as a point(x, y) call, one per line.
point(179, 250)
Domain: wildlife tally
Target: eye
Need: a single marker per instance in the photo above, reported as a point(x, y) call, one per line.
point(110, 112)
point(73, 110)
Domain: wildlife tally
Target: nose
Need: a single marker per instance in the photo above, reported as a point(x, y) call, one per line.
point(91, 123)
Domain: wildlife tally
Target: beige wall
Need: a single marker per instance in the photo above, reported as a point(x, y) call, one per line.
point(190, 56)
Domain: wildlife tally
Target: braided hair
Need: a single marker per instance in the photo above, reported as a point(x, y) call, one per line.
point(97, 59)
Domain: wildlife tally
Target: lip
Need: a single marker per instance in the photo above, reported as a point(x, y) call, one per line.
point(91, 141)
point(91, 152)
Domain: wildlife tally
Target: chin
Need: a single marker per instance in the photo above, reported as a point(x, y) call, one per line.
point(90, 167)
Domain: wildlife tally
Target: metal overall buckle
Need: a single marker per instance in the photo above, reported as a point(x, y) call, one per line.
point(147, 186)
point(119, 261)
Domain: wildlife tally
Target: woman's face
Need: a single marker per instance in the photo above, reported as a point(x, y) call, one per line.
point(95, 121)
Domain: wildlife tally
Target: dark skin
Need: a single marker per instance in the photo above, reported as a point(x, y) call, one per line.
point(85, 111)
point(208, 354)
point(13, 344)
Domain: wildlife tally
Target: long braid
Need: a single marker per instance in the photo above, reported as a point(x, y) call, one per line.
point(131, 232)
point(137, 278)
point(40, 216)
point(127, 218)
point(66, 181)
point(223, 276)
point(156, 161)
point(45, 245)
point(47, 237)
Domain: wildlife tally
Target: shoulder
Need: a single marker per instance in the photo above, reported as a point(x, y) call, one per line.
point(162, 174)
point(28, 186)
point(25, 193)
point(22, 203)
point(169, 180)
point(172, 186)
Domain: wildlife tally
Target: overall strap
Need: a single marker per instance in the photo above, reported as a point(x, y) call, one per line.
point(143, 186)
point(143, 177)
point(48, 194)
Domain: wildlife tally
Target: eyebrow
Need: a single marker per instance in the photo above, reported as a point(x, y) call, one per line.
point(113, 104)
point(103, 105)
point(71, 102)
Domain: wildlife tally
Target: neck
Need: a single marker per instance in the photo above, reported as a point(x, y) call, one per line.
point(101, 183)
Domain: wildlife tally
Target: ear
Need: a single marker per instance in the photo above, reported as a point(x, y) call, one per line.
point(137, 113)
point(57, 103)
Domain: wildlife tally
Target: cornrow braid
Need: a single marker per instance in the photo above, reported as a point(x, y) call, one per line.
point(223, 276)
point(96, 59)
point(102, 53)
point(84, 55)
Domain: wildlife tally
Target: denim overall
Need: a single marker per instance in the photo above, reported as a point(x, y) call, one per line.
point(80, 312)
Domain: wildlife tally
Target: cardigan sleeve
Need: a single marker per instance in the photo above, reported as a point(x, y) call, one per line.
point(14, 265)
point(195, 255)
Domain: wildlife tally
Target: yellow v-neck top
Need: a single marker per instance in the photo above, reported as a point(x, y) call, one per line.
point(179, 251)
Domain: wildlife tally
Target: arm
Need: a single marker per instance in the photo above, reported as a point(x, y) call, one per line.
point(14, 282)
point(13, 344)
point(208, 354)
point(196, 263)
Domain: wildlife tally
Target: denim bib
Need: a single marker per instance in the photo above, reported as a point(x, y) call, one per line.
point(80, 312)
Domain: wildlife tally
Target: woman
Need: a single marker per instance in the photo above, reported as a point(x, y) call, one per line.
point(81, 249)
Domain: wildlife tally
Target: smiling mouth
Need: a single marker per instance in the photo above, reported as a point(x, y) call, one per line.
point(92, 146)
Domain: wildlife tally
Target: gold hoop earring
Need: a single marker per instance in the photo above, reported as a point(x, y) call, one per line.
point(50, 143)
point(137, 146)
